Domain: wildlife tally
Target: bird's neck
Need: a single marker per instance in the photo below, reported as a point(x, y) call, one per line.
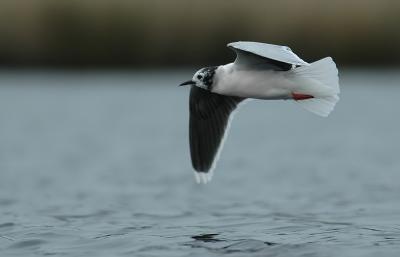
point(221, 73)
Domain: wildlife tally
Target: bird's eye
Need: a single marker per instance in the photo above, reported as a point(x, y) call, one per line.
point(199, 76)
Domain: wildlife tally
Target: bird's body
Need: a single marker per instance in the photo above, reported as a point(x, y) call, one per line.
point(257, 84)
point(260, 71)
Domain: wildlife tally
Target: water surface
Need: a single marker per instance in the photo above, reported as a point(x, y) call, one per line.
point(97, 164)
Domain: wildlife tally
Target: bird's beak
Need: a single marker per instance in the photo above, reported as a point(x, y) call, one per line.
point(189, 82)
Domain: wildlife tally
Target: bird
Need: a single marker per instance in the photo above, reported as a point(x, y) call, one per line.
point(260, 71)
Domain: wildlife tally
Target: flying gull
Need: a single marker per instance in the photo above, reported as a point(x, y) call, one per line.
point(260, 71)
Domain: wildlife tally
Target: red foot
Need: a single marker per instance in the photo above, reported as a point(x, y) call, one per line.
point(298, 97)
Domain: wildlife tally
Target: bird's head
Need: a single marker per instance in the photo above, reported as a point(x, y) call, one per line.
point(203, 78)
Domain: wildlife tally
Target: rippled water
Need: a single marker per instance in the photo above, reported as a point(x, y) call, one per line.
point(97, 164)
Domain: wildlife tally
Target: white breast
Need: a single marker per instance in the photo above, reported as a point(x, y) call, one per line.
point(259, 84)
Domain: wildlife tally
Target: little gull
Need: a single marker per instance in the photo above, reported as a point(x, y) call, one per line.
point(260, 71)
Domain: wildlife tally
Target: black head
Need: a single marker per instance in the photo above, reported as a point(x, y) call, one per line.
point(203, 78)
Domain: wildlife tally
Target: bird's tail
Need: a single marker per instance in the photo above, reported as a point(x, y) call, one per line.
point(320, 81)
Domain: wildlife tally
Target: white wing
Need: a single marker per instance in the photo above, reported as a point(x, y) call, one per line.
point(254, 53)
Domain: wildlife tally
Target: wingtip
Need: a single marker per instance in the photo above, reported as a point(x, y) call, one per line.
point(203, 177)
point(236, 43)
point(197, 177)
point(230, 45)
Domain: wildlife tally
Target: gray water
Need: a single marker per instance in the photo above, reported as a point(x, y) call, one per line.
point(97, 164)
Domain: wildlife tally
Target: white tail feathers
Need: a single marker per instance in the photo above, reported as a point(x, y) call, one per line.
point(321, 106)
point(319, 79)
